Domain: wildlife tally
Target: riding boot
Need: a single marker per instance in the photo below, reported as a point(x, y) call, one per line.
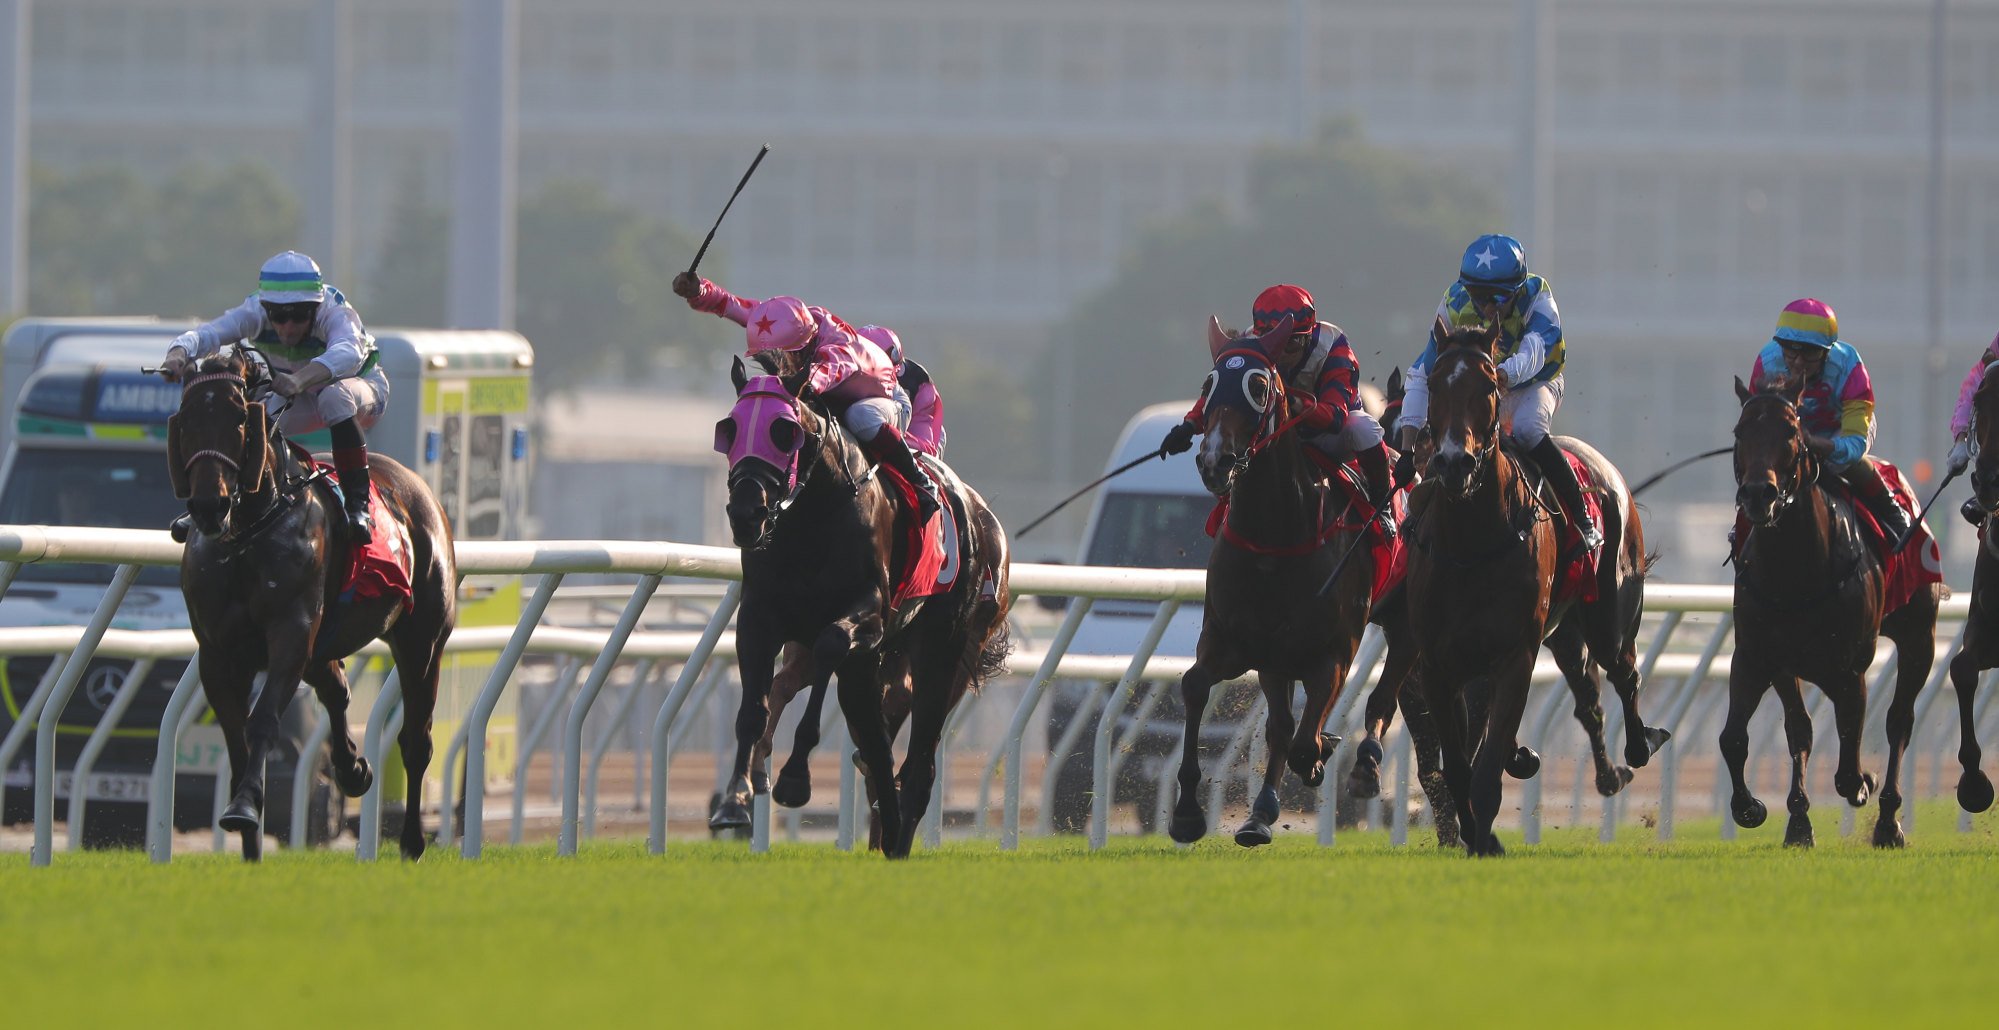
point(1380, 486)
point(889, 448)
point(1973, 511)
point(350, 460)
point(1555, 465)
point(1870, 490)
point(183, 525)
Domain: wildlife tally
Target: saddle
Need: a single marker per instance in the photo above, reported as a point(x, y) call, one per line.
point(384, 566)
point(925, 561)
point(1918, 564)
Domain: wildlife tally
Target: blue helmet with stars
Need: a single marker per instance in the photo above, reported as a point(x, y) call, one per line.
point(1494, 259)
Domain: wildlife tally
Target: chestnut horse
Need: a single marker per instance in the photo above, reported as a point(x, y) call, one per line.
point(1981, 630)
point(263, 576)
point(1810, 596)
point(1274, 550)
point(819, 538)
point(1483, 562)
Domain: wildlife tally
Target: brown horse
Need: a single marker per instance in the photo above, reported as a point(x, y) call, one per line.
point(1264, 609)
point(817, 528)
point(263, 579)
point(1981, 629)
point(1810, 596)
point(1481, 592)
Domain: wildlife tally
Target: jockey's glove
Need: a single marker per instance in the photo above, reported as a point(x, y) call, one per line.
point(174, 364)
point(1179, 438)
point(311, 374)
point(1960, 456)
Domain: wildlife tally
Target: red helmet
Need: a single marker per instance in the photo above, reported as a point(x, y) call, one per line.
point(1281, 300)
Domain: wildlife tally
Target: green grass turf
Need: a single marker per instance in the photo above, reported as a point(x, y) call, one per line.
point(1697, 931)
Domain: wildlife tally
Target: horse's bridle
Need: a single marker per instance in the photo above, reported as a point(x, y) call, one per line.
point(1804, 471)
point(1270, 423)
point(808, 463)
point(1480, 461)
point(241, 536)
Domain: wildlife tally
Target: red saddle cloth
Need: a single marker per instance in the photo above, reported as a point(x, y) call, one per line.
point(384, 567)
point(1917, 565)
point(1388, 558)
point(929, 551)
point(1576, 579)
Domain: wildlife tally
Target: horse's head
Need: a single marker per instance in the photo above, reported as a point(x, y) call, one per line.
point(762, 437)
point(1773, 464)
point(218, 444)
point(1985, 439)
point(1243, 400)
point(1465, 398)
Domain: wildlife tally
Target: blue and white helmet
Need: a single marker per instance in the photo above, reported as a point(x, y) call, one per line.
point(1493, 260)
point(290, 278)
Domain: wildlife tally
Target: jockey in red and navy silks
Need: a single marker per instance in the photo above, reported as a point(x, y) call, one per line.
point(915, 393)
point(316, 347)
point(1837, 409)
point(821, 355)
point(1494, 286)
point(1319, 368)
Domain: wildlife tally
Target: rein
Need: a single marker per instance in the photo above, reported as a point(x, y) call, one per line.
point(1804, 478)
point(289, 491)
point(1270, 428)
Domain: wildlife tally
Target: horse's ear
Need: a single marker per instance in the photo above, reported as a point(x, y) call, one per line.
point(1440, 333)
point(737, 374)
point(255, 468)
point(1394, 386)
point(1742, 393)
point(1218, 338)
point(725, 430)
point(176, 461)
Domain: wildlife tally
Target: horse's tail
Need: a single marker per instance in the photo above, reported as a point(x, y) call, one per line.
point(991, 598)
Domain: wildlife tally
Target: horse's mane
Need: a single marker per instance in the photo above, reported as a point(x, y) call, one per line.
point(228, 359)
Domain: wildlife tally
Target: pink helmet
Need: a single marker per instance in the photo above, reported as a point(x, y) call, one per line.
point(780, 323)
point(885, 338)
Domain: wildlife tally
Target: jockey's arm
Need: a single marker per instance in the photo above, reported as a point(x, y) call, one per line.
point(1416, 385)
point(1543, 331)
point(1338, 390)
point(714, 300)
point(346, 342)
point(241, 322)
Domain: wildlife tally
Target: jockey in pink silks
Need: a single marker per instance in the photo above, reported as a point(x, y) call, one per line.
point(1960, 427)
point(820, 355)
point(915, 393)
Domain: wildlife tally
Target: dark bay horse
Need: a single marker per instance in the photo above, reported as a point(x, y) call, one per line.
point(1273, 551)
point(817, 528)
point(263, 577)
point(1981, 631)
point(1810, 599)
point(1481, 592)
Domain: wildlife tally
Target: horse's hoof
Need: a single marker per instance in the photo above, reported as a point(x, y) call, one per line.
point(1749, 813)
point(1265, 809)
point(241, 817)
point(1364, 779)
point(1524, 763)
point(1974, 791)
point(1187, 827)
point(1447, 833)
point(1798, 833)
point(1888, 834)
point(792, 791)
point(1858, 799)
point(1486, 848)
point(412, 846)
point(1253, 834)
point(731, 815)
point(1655, 738)
point(357, 780)
point(253, 847)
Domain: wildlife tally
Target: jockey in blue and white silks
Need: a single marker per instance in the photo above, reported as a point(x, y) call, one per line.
point(1494, 286)
point(317, 348)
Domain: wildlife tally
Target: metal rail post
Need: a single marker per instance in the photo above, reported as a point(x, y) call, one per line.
point(572, 731)
point(1100, 753)
point(166, 754)
point(368, 839)
point(1669, 772)
point(641, 675)
point(307, 770)
point(50, 713)
point(482, 713)
point(79, 778)
point(1017, 729)
point(662, 751)
point(524, 754)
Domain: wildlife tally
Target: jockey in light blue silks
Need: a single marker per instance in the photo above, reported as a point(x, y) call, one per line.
point(1494, 286)
point(318, 351)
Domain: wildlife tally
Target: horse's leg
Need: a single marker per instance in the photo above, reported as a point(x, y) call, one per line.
point(1974, 790)
point(350, 770)
point(419, 651)
point(287, 642)
point(1189, 824)
point(1913, 629)
point(1849, 706)
point(861, 702)
point(1501, 745)
point(1745, 691)
point(897, 700)
point(1364, 780)
point(793, 787)
point(1567, 646)
point(756, 653)
point(1422, 729)
point(1612, 631)
point(1446, 707)
point(1798, 735)
point(943, 678)
point(227, 686)
point(1278, 724)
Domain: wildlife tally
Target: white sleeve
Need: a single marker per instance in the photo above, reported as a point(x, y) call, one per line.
point(1526, 362)
point(346, 341)
point(242, 322)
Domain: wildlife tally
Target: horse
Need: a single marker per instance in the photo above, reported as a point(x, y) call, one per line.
point(820, 541)
point(263, 579)
point(1274, 549)
point(1566, 643)
point(793, 786)
point(1981, 641)
point(1481, 591)
point(1810, 599)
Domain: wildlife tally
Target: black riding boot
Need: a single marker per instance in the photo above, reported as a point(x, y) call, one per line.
point(350, 460)
point(1872, 491)
point(889, 448)
point(1555, 465)
point(1973, 511)
point(1380, 485)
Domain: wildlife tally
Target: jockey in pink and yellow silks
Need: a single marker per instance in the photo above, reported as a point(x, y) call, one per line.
point(818, 354)
point(1960, 427)
point(1837, 408)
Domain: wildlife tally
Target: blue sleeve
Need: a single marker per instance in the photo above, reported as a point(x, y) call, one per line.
point(1847, 449)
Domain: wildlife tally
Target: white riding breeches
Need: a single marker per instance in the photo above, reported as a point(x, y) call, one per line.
point(1531, 411)
point(865, 418)
point(362, 398)
point(1360, 433)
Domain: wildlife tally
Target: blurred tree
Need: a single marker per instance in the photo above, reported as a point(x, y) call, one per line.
point(87, 237)
point(987, 412)
point(407, 288)
point(1375, 236)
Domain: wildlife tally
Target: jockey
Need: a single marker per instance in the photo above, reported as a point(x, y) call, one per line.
point(1494, 286)
point(915, 393)
point(1837, 408)
point(317, 351)
point(1318, 366)
point(820, 354)
point(1960, 427)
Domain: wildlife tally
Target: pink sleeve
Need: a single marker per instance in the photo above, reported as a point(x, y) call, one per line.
point(1960, 418)
point(832, 364)
point(1859, 386)
point(926, 420)
point(715, 300)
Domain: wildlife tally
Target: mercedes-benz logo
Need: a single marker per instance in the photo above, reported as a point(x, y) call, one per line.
point(101, 685)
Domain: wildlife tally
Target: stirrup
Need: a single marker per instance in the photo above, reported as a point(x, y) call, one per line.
point(1592, 536)
point(181, 527)
point(360, 527)
point(1973, 512)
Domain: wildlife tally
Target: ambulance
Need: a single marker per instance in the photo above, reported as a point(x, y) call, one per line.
point(84, 444)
